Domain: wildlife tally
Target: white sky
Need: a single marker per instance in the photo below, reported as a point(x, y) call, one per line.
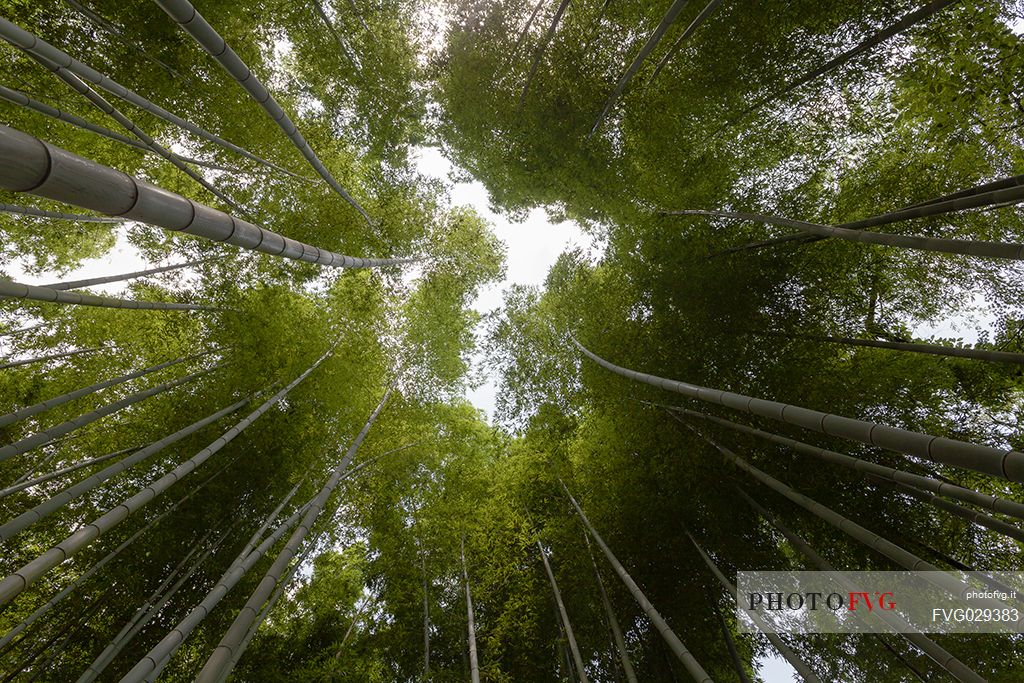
point(533, 246)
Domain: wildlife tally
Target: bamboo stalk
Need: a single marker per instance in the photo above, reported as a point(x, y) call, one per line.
point(17, 290)
point(50, 356)
point(91, 571)
point(24, 40)
point(50, 433)
point(39, 168)
point(796, 662)
point(79, 284)
point(652, 42)
point(574, 647)
point(23, 100)
point(193, 23)
point(1006, 463)
point(224, 653)
point(942, 488)
point(942, 245)
point(40, 213)
point(943, 658)
point(56, 502)
point(15, 583)
point(50, 403)
point(692, 666)
point(157, 657)
point(61, 472)
point(694, 25)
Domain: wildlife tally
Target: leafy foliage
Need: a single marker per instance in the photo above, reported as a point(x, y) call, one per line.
point(934, 110)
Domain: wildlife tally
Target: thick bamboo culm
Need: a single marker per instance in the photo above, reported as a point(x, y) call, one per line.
point(36, 167)
point(942, 488)
point(1006, 463)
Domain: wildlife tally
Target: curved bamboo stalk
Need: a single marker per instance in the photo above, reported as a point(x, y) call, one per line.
point(113, 30)
point(942, 245)
point(61, 472)
point(77, 217)
point(670, 17)
point(1002, 184)
point(692, 666)
point(694, 25)
point(1006, 463)
point(13, 585)
point(942, 488)
point(18, 290)
point(542, 48)
point(98, 101)
point(979, 518)
point(570, 636)
point(51, 356)
point(193, 23)
point(870, 539)
point(49, 434)
point(79, 489)
point(800, 665)
point(914, 347)
point(79, 284)
point(930, 648)
point(613, 623)
point(36, 408)
point(157, 657)
point(912, 19)
point(91, 571)
point(36, 167)
point(224, 653)
point(23, 100)
point(474, 664)
point(1002, 194)
point(24, 40)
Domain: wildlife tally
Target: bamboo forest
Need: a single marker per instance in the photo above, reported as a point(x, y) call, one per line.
point(277, 403)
